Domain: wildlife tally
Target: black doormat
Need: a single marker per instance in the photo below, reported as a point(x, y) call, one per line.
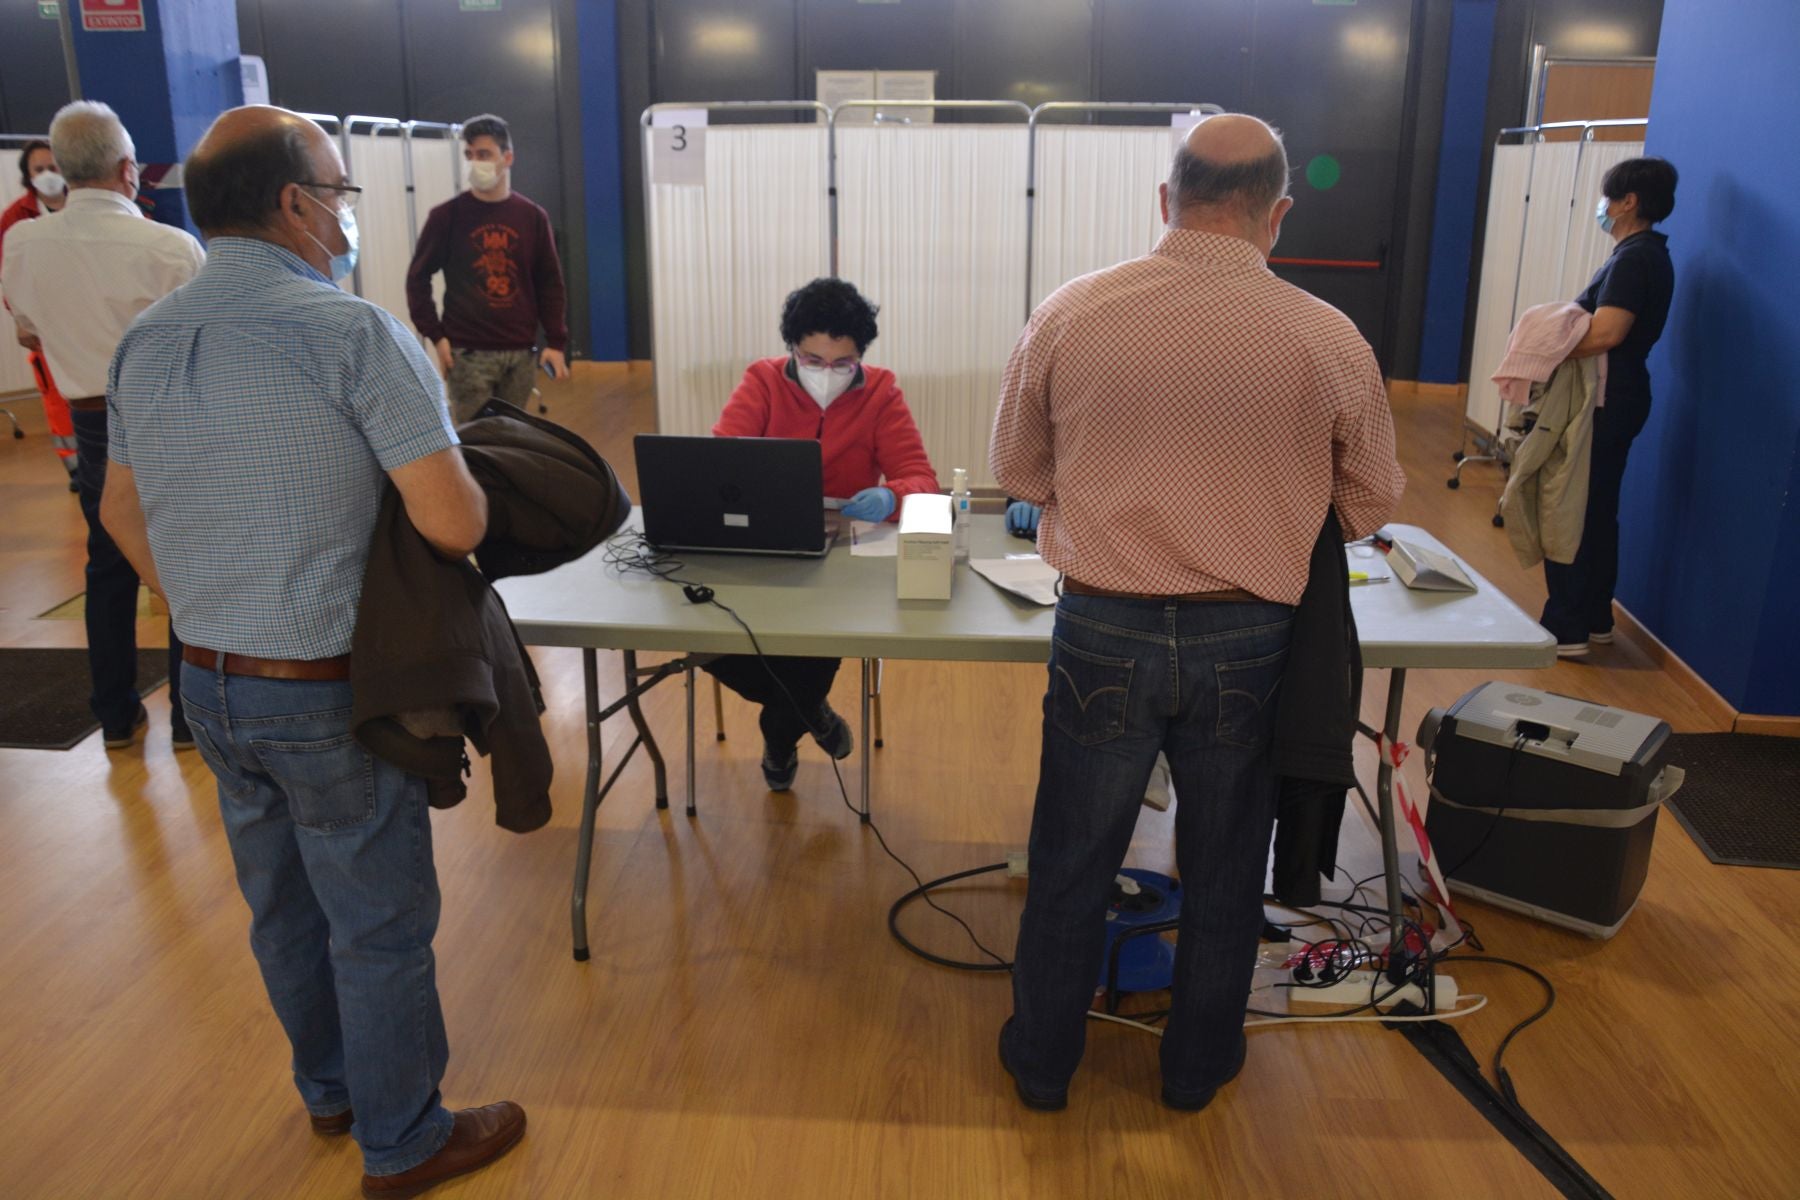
point(1741, 801)
point(44, 701)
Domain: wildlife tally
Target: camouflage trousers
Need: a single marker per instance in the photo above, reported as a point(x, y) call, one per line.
point(477, 375)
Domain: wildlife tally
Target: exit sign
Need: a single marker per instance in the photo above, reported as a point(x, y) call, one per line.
point(480, 5)
point(48, 10)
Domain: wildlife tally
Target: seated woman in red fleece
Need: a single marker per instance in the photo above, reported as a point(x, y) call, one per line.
point(873, 456)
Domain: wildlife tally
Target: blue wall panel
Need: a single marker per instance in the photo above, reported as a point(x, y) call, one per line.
point(1710, 544)
point(1453, 233)
point(608, 310)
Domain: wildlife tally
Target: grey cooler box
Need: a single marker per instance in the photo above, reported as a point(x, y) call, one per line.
point(1544, 804)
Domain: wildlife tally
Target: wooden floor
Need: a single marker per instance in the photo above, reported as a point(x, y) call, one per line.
point(746, 1027)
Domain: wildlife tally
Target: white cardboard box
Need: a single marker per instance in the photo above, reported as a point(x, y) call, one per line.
point(927, 554)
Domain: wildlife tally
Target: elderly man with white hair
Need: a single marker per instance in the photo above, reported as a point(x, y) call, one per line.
point(75, 280)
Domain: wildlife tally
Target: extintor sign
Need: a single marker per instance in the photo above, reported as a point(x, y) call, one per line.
point(112, 16)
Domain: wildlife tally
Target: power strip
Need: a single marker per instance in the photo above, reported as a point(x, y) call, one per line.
point(1348, 993)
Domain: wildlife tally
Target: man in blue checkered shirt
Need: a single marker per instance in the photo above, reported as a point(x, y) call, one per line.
point(254, 416)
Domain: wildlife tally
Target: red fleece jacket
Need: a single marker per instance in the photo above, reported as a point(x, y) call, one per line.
point(866, 436)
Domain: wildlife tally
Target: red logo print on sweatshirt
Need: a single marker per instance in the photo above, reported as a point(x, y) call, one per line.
point(495, 264)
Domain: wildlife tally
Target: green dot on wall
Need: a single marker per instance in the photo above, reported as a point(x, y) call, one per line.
point(1323, 172)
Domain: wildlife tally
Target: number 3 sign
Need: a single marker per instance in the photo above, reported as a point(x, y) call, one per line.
point(678, 147)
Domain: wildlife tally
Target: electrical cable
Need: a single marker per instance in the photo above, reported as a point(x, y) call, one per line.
point(1480, 1002)
point(631, 551)
point(923, 891)
point(1512, 761)
point(1501, 1079)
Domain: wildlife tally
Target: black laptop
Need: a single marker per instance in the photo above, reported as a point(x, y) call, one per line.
point(735, 495)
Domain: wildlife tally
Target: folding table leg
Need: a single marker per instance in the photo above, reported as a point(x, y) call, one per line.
point(880, 670)
point(867, 664)
point(1384, 788)
point(643, 728)
point(590, 806)
point(690, 740)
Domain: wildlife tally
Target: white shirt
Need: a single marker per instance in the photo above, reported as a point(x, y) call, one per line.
point(79, 277)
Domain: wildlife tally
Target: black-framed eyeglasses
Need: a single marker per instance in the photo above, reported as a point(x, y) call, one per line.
point(352, 193)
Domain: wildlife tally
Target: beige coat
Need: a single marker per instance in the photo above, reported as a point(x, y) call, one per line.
point(1545, 503)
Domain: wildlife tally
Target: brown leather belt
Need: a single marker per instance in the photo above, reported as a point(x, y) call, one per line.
point(87, 403)
point(1075, 587)
point(315, 670)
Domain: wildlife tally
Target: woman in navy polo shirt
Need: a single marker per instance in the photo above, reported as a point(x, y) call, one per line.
point(1629, 297)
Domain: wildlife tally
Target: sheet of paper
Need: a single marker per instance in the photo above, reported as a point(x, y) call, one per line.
point(874, 539)
point(1022, 575)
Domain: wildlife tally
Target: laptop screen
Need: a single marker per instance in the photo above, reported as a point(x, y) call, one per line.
point(755, 495)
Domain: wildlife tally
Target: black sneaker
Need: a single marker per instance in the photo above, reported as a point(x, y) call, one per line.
point(180, 736)
point(834, 737)
point(1034, 1100)
point(121, 736)
point(1184, 1102)
point(779, 773)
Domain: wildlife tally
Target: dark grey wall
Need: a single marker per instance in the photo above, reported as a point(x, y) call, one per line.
point(332, 56)
point(1362, 82)
point(1413, 209)
point(33, 84)
point(424, 60)
point(1570, 28)
point(428, 60)
point(1335, 78)
point(1147, 47)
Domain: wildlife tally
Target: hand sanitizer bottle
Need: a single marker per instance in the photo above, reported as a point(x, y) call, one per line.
point(959, 508)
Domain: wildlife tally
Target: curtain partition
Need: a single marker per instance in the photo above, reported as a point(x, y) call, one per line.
point(1092, 198)
point(405, 169)
point(954, 228)
point(926, 229)
point(1542, 243)
point(724, 254)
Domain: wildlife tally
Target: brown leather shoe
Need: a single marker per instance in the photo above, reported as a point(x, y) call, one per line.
point(477, 1138)
point(333, 1125)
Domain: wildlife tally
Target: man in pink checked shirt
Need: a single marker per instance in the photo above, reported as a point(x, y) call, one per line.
point(1184, 421)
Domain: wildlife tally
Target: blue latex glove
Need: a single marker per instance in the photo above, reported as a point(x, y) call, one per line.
point(1022, 518)
point(870, 504)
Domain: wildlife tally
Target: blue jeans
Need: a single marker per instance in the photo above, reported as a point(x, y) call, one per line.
point(333, 854)
point(112, 593)
point(1129, 678)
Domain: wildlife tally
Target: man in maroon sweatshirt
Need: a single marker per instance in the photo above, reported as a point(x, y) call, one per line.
point(502, 280)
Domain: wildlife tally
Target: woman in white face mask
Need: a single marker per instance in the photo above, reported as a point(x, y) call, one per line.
point(45, 192)
point(873, 457)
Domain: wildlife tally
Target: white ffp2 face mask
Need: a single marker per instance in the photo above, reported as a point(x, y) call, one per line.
point(49, 184)
point(484, 176)
point(823, 384)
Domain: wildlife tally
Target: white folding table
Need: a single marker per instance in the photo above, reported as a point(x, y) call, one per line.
point(843, 606)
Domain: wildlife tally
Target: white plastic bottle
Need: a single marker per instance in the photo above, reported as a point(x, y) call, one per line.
point(960, 511)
